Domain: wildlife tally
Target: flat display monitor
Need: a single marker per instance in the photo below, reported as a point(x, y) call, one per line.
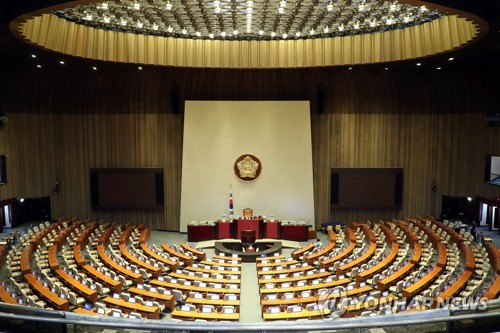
point(127, 189)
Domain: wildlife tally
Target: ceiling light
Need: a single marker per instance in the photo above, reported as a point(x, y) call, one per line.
point(94, 68)
point(33, 55)
point(139, 68)
point(39, 66)
point(61, 62)
point(419, 64)
point(438, 68)
point(386, 68)
point(451, 59)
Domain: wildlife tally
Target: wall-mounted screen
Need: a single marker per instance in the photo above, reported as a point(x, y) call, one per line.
point(366, 188)
point(126, 188)
point(3, 169)
point(492, 170)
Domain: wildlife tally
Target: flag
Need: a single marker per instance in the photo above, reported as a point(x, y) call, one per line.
point(231, 212)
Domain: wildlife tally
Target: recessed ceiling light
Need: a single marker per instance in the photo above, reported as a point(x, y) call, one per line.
point(33, 55)
point(39, 66)
point(139, 68)
point(350, 68)
point(451, 59)
point(94, 68)
point(419, 64)
point(438, 68)
point(387, 68)
point(61, 62)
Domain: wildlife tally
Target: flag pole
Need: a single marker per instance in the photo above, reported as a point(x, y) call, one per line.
point(231, 211)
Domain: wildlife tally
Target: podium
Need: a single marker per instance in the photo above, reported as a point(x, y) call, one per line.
point(273, 229)
point(248, 224)
point(222, 229)
point(248, 236)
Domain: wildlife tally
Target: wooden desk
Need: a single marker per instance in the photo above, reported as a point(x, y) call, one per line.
point(470, 259)
point(340, 256)
point(292, 279)
point(188, 261)
point(214, 316)
point(441, 253)
point(150, 312)
point(454, 289)
point(248, 224)
point(273, 263)
point(83, 238)
point(417, 253)
point(185, 288)
point(271, 258)
point(116, 286)
point(494, 256)
point(203, 279)
point(311, 287)
point(45, 293)
point(155, 271)
point(286, 271)
point(218, 303)
point(363, 276)
point(281, 302)
point(298, 233)
point(77, 253)
point(332, 236)
point(144, 236)
point(223, 263)
point(26, 259)
point(356, 309)
point(359, 261)
point(167, 300)
point(299, 252)
point(199, 255)
point(304, 314)
point(494, 290)
point(77, 286)
point(84, 311)
point(411, 238)
point(6, 297)
point(423, 283)
point(135, 277)
point(171, 264)
point(210, 271)
point(394, 278)
point(313, 257)
point(200, 232)
point(52, 255)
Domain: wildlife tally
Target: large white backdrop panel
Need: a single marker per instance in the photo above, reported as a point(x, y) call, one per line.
point(216, 133)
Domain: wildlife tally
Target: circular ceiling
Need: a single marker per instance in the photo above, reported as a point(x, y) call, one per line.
point(249, 19)
point(249, 33)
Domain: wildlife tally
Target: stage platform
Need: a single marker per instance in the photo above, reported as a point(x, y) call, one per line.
point(211, 243)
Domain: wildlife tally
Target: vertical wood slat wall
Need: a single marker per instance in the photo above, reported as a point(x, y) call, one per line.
point(62, 122)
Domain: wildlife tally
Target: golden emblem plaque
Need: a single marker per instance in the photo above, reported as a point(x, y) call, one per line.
point(247, 167)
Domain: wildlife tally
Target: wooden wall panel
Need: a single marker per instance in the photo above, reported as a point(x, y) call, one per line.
point(62, 122)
